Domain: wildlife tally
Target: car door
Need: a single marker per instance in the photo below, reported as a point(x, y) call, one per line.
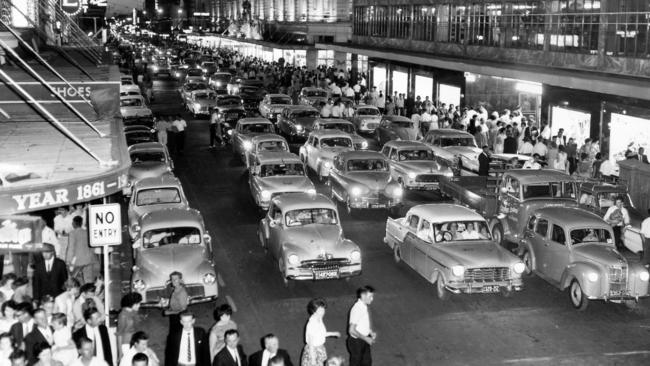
point(335, 177)
point(312, 153)
point(408, 246)
point(556, 253)
point(276, 228)
point(539, 243)
point(420, 250)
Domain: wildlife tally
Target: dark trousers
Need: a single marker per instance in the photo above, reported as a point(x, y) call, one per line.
point(359, 352)
point(180, 141)
point(171, 141)
point(213, 134)
point(645, 256)
point(174, 323)
point(617, 237)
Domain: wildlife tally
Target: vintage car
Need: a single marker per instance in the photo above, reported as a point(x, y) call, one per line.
point(396, 128)
point(193, 75)
point(161, 68)
point(145, 121)
point(321, 147)
point(219, 80)
point(414, 165)
point(597, 197)
point(303, 233)
point(265, 143)
point(133, 106)
point(245, 130)
point(366, 118)
point(272, 105)
point(208, 67)
point(460, 151)
point(312, 96)
point(342, 125)
point(574, 249)
point(151, 194)
point(296, 122)
point(275, 173)
point(229, 109)
point(187, 89)
point(450, 245)
point(148, 160)
point(201, 102)
point(251, 96)
point(361, 179)
point(235, 84)
point(139, 135)
point(180, 71)
point(173, 239)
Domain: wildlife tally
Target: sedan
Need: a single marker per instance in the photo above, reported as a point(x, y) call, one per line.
point(396, 128)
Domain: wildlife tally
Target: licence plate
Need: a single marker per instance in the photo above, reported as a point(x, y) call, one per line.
point(326, 275)
point(490, 289)
point(377, 205)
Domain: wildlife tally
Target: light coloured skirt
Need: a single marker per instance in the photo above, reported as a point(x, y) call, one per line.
point(313, 356)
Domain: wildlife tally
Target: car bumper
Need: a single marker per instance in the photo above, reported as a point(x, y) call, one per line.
point(484, 287)
point(422, 186)
point(374, 202)
point(197, 294)
point(308, 274)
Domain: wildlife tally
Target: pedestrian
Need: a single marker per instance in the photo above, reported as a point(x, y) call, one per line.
point(187, 344)
point(233, 353)
point(360, 331)
point(139, 344)
point(510, 143)
point(171, 132)
point(140, 359)
point(7, 285)
point(180, 125)
point(8, 315)
point(18, 358)
point(214, 123)
point(87, 299)
point(399, 105)
point(41, 333)
point(86, 349)
point(645, 234)
point(540, 149)
point(25, 324)
point(80, 257)
point(222, 315)
point(128, 322)
point(271, 350)
point(618, 216)
point(50, 273)
point(162, 127)
point(65, 301)
point(97, 333)
point(63, 347)
point(6, 348)
point(176, 300)
point(484, 162)
point(314, 353)
point(499, 141)
point(381, 102)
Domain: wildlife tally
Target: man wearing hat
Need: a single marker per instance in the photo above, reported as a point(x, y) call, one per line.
point(50, 273)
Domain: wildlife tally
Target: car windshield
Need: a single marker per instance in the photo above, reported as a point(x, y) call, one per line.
point(457, 141)
point(228, 101)
point(345, 127)
point(401, 124)
point(127, 82)
point(221, 77)
point(607, 199)
point(248, 90)
point(590, 235)
point(336, 142)
point(272, 146)
point(280, 100)
point(194, 72)
point(184, 235)
point(298, 114)
point(142, 156)
point(315, 93)
point(323, 216)
point(272, 170)
point(461, 231)
point(549, 190)
point(131, 102)
point(157, 196)
point(208, 64)
point(368, 112)
point(406, 155)
point(257, 128)
point(366, 165)
point(205, 96)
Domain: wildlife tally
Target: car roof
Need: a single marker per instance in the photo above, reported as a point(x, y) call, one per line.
point(333, 121)
point(276, 95)
point(397, 118)
point(443, 212)
point(449, 132)
point(301, 108)
point(254, 120)
point(361, 154)
point(268, 137)
point(330, 133)
point(206, 90)
point(308, 88)
point(369, 106)
point(171, 217)
point(297, 201)
point(164, 180)
point(573, 216)
point(278, 157)
point(532, 176)
point(146, 146)
point(403, 144)
point(131, 96)
point(599, 187)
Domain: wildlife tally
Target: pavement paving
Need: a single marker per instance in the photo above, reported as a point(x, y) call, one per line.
point(537, 326)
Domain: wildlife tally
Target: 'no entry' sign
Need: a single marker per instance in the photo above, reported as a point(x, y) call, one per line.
point(105, 225)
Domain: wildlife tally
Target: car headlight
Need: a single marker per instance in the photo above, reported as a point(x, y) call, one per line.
point(136, 228)
point(592, 276)
point(327, 164)
point(229, 132)
point(311, 191)
point(209, 278)
point(364, 144)
point(247, 145)
point(293, 259)
point(265, 195)
point(204, 70)
point(519, 268)
point(139, 285)
point(457, 270)
point(197, 106)
point(398, 192)
point(355, 191)
point(178, 74)
point(298, 128)
point(155, 68)
point(412, 175)
point(449, 174)
point(355, 255)
point(644, 276)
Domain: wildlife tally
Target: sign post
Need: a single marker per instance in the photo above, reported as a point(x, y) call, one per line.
point(104, 230)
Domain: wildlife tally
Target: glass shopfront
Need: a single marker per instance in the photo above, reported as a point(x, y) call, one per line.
point(576, 124)
point(627, 132)
point(400, 82)
point(449, 94)
point(423, 87)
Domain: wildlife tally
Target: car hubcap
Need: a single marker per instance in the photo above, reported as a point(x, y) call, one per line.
point(528, 263)
point(440, 286)
point(576, 294)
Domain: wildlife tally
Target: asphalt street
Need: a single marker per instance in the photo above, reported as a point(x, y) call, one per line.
point(537, 326)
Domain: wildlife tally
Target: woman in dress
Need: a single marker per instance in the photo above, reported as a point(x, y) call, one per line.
point(177, 301)
point(43, 352)
point(6, 348)
point(499, 141)
point(128, 321)
point(8, 315)
point(314, 353)
point(223, 323)
point(63, 348)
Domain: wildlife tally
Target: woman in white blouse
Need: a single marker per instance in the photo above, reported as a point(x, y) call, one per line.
point(314, 353)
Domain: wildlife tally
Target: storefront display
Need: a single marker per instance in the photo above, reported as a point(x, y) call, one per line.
point(449, 94)
point(423, 87)
point(400, 82)
point(576, 124)
point(626, 130)
point(379, 77)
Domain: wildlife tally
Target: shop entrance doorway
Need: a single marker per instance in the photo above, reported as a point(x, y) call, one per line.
point(423, 87)
point(400, 82)
point(379, 78)
point(449, 94)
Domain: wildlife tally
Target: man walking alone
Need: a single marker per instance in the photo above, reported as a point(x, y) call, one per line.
point(361, 334)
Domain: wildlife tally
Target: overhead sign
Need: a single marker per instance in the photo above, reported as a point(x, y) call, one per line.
point(71, 7)
point(104, 225)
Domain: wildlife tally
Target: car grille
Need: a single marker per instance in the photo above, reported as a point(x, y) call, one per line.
point(323, 264)
point(358, 146)
point(275, 194)
point(427, 178)
point(617, 280)
point(372, 125)
point(493, 274)
point(192, 291)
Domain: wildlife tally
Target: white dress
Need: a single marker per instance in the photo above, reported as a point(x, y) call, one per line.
point(63, 349)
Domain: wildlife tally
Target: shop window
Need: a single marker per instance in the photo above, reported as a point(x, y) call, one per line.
point(573, 25)
point(399, 25)
point(424, 22)
point(326, 57)
point(628, 28)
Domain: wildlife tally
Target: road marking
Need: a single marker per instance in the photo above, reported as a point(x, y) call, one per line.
point(547, 359)
point(220, 280)
point(529, 359)
point(627, 353)
point(231, 302)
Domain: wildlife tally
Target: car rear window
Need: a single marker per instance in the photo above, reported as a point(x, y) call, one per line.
point(158, 196)
point(183, 235)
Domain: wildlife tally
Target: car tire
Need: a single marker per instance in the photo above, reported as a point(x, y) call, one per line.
point(497, 233)
point(348, 207)
point(262, 239)
point(397, 255)
point(441, 291)
point(578, 298)
point(321, 177)
point(527, 258)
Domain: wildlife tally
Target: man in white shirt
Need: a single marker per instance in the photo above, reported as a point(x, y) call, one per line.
point(326, 111)
point(97, 333)
point(361, 334)
point(179, 125)
point(526, 148)
point(86, 350)
point(546, 131)
point(645, 234)
point(540, 149)
point(618, 217)
point(139, 345)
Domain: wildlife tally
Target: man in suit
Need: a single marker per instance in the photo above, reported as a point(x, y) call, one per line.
point(271, 349)
point(233, 353)
point(97, 333)
point(42, 332)
point(642, 156)
point(187, 346)
point(25, 324)
point(484, 162)
point(50, 274)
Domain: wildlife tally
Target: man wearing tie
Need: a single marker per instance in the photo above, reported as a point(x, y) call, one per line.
point(187, 346)
point(484, 162)
point(233, 353)
point(271, 349)
point(97, 333)
point(25, 324)
point(50, 274)
point(42, 333)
